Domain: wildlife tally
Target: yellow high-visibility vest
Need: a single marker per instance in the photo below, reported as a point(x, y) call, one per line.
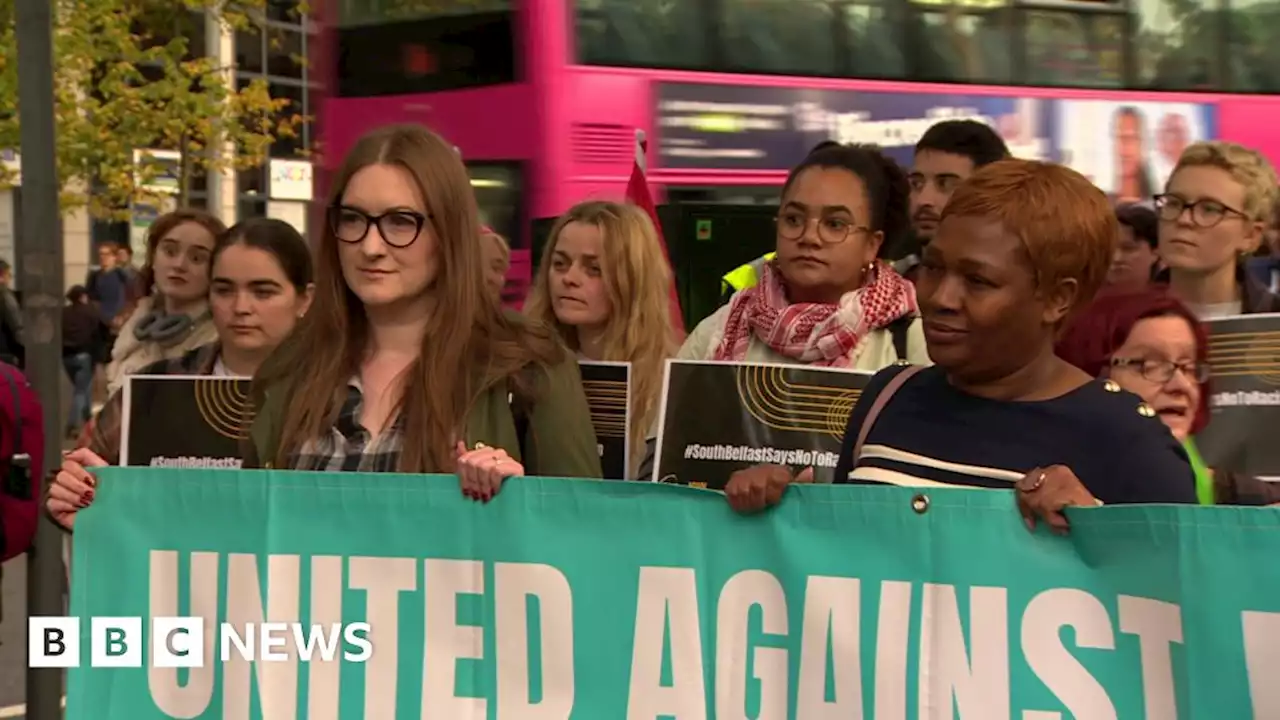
point(744, 276)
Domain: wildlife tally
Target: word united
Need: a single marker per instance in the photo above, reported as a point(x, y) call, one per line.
point(182, 642)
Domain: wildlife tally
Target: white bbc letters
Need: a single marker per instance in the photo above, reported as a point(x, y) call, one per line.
point(177, 642)
point(53, 642)
point(115, 642)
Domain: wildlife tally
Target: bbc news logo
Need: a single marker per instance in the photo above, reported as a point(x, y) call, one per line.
point(180, 642)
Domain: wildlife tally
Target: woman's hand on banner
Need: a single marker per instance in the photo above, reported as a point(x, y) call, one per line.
point(757, 488)
point(73, 487)
point(482, 470)
point(805, 476)
point(1044, 493)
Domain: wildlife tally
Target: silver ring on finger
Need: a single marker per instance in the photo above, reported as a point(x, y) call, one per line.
point(1035, 484)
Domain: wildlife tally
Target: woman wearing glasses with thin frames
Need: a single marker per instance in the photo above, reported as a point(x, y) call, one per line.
point(1151, 345)
point(1213, 216)
point(407, 362)
point(827, 298)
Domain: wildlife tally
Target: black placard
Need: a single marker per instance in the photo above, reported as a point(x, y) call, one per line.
point(185, 421)
point(721, 417)
point(1244, 353)
point(608, 388)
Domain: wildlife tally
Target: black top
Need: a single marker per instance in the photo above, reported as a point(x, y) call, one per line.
point(930, 433)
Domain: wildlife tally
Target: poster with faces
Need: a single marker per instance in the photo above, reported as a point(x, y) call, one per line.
point(1128, 149)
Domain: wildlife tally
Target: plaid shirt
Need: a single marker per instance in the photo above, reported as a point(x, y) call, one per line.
point(349, 447)
point(102, 435)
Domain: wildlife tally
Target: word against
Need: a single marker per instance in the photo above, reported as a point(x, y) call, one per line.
point(179, 642)
point(772, 456)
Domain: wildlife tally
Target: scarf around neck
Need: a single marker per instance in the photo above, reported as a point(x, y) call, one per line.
point(821, 334)
point(166, 330)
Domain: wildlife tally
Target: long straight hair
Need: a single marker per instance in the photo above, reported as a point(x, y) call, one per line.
point(636, 278)
point(470, 344)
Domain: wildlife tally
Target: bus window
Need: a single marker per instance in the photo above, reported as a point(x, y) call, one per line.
point(795, 37)
point(1176, 46)
point(962, 41)
point(1075, 49)
point(376, 12)
point(643, 33)
point(499, 194)
point(877, 39)
point(500, 197)
point(392, 52)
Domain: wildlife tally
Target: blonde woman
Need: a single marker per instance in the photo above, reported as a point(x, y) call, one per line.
point(603, 284)
point(1214, 214)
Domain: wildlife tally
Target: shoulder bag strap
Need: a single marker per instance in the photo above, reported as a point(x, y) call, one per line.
point(898, 329)
point(881, 400)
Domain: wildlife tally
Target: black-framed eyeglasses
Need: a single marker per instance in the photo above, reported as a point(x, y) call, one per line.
point(398, 228)
point(1161, 371)
point(831, 230)
point(1204, 212)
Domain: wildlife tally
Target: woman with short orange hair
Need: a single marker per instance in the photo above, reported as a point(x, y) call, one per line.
point(1021, 247)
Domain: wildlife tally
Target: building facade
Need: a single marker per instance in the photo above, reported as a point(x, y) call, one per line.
point(276, 49)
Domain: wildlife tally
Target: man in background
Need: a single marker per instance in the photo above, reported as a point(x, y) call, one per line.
point(110, 283)
point(1135, 262)
point(1265, 267)
point(947, 153)
point(125, 258)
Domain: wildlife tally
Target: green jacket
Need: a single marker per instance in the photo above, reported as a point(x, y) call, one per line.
point(560, 439)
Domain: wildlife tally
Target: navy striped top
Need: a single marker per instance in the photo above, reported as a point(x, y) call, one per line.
point(931, 433)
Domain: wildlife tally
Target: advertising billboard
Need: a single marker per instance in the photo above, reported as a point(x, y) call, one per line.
point(736, 127)
point(1128, 149)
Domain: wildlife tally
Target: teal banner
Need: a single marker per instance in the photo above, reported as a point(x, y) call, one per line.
point(602, 600)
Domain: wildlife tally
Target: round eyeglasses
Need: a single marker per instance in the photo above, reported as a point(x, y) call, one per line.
point(1161, 371)
point(398, 228)
point(831, 230)
point(1205, 213)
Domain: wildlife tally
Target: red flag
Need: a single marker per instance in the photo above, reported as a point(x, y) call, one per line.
point(638, 195)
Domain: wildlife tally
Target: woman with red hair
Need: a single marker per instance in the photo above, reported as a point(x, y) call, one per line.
point(1152, 345)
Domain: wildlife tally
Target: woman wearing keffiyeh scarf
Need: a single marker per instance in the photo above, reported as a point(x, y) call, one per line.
point(826, 299)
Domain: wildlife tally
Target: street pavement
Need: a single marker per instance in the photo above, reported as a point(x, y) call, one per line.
point(13, 649)
point(13, 656)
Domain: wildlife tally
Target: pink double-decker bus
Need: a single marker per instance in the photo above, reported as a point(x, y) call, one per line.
point(543, 97)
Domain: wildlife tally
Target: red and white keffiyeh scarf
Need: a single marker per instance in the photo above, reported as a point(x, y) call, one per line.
point(814, 333)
